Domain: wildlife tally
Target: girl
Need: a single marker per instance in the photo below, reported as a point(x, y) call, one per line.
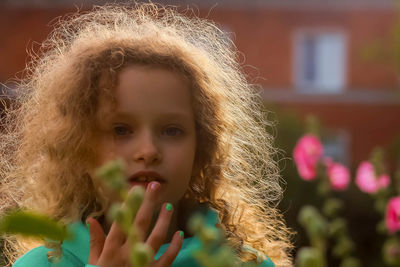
point(165, 93)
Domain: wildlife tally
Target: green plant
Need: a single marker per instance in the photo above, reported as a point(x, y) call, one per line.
point(214, 251)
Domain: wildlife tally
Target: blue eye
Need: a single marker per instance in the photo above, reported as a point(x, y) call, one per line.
point(173, 131)
point(121, 130)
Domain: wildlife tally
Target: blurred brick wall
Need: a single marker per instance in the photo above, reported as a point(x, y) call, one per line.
point(20, 29)
point(265, 38)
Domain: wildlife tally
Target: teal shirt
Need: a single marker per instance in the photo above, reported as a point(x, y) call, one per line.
point(76, 251)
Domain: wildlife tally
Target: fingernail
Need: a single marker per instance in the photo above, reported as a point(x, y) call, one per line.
point(154, 185)
point(168, 207)
point(181, 234)
point(87, 224)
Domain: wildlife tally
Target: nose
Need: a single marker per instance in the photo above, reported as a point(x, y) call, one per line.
point(147, 151)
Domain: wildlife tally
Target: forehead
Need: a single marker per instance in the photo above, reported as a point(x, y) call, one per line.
point(149, 89)
point(143, 80)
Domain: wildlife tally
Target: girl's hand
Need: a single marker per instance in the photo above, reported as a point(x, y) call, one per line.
point(113, 250)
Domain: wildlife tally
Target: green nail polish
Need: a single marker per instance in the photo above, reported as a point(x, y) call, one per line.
point(168, 206)
point(87, 225)
point(181, 234)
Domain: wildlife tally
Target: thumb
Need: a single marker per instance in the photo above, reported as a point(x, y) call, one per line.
point(97, 240)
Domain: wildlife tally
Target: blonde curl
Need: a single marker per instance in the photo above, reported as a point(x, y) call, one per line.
point(48, 143)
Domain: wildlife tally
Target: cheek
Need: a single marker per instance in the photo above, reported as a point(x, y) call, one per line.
point(180, 170)
point(105, 153)
point(182, 159)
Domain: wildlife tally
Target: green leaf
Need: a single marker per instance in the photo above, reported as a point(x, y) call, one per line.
point(134, 200)
point(313, 125)
point(141, 255)
point(332, 207)
point(350, 262)
point(34, 225)
point(343, 247)
point(391, 252)
point(338, 227)
point(112, 175)
point(310, 257)
point(315, 225)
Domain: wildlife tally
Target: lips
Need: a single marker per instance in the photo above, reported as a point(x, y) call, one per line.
point(146, 177)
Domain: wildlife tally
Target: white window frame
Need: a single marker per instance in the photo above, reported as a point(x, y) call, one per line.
point(318, 85)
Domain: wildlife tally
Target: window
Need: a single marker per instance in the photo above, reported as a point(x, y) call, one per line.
point(320, 61)
point(336, 145)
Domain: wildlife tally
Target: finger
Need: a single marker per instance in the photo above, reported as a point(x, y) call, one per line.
point(116, 236)
point(170, 254)
point(97, 240)
point(145, 213)
point(160, 230)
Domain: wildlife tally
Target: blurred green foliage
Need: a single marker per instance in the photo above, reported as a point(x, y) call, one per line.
point(214, 252)
point(356, 207)
point(112, 175)
point(40, 226)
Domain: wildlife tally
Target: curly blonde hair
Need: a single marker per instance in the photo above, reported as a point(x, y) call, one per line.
point(48, 144)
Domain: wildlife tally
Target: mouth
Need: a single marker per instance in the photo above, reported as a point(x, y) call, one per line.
point(143, 178)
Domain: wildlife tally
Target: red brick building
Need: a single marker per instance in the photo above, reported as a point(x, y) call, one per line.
point(310, 56)
point(314, 58)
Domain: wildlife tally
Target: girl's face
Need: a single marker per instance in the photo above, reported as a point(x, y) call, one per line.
point(152, 129)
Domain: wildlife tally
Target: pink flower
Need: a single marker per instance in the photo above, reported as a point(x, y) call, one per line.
point(367, 181)
point(306, 154)
point(339, 176)
point(393, 215)
point(383, 181)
